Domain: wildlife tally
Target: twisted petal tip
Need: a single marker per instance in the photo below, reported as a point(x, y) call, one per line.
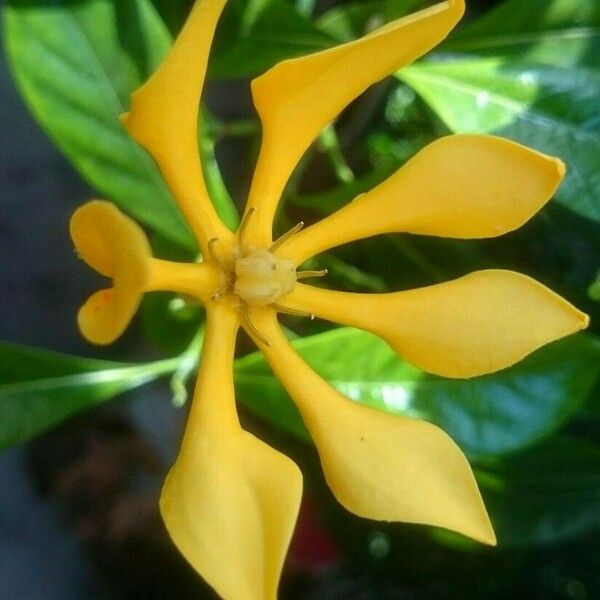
point(116, 247)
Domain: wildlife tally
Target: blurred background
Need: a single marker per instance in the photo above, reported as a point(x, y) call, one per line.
point(78, 501)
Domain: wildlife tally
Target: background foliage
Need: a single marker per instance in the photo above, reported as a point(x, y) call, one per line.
point(529, 71)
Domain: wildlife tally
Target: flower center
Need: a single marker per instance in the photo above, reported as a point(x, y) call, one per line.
point(255, 277)
point(261, 278)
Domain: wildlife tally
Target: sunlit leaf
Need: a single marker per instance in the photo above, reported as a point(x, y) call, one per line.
point(76, 64)
point(529, 71)
point(490, 415)
point(552, 32)
point(39, 389)
point(551, 109)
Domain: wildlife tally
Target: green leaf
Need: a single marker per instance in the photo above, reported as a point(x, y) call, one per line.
point(330, 200)
point(551, 109)
point(76, 64)
point(169, 322)
point(546, 495)
point(257, 388)
point(552, 32)
point(254, 36)
point(355, 19)
point(217, 189)
point(529, 71)
point(173, 12)
point(39, 389)
point(490, 415)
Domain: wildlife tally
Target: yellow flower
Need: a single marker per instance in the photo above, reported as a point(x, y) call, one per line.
point(230, 502)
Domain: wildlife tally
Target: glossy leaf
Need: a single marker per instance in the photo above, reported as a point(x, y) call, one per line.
point(551, 109)
point(490, 415)
point(39, 389)
point(552, 32)
point(254, 36)
point(76, 64)
point(549, 494)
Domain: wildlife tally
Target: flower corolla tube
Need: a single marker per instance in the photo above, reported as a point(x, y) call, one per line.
point(230, 501)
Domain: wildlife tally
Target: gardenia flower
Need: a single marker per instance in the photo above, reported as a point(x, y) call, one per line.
point(230, 502)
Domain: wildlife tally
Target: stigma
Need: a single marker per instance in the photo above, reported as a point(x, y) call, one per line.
point(255, 277)
point(261, 278)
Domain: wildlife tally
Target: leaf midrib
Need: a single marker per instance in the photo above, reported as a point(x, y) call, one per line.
point(142, 165)
point(136, 374)
point(117, 104)
point(513, 106)
point(522, 38)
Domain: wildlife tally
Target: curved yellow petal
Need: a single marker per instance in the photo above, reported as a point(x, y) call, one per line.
point(102, 234)
point(463, 186)
point(473, 325)
point(230, 502)
point(378, 465)
point(164, 119)
point(115, 246)
point(297, 98)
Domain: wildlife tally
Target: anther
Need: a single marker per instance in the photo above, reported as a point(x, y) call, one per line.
point(244, 225)
point(286, 236)
point(254, 333)
point(305, 274)
point(293, 312)
point(211, 249)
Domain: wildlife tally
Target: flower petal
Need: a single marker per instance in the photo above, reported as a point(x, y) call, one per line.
point(473, 325)
point(230, 502)
point(297, 98)
point(464, 186)
point(103, 235)
point(199, 280)
point(115, 246)
point(378, 465)
point(164, 119)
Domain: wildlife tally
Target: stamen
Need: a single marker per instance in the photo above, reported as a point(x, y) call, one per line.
point(305, 274)
point(293, 312)
point(286, 236)
point(244, 225)
point(254, 333)
point(211, 249)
